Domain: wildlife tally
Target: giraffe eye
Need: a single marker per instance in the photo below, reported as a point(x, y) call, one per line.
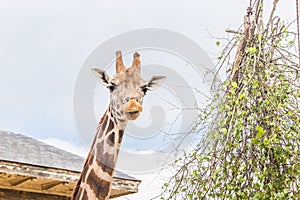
point(144, 89)
point(111, 88)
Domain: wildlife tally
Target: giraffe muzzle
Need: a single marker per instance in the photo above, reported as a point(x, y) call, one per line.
point(133, 109)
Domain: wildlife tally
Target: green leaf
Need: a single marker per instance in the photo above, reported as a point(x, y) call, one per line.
point(255, 141)
point(218, 43)
point(234, 85)
point(270, 185)
point(195, 173)
point(251, 50)
point(223, 130)
point(260, 131)
point(255, 84)
point(266, 141)
point(259, 36)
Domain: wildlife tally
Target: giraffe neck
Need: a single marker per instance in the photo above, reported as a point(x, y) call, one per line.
point(97, 174)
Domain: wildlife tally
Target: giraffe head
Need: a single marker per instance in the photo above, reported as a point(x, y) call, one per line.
point(127, 88)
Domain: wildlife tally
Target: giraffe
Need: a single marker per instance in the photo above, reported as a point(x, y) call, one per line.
point(127, 90)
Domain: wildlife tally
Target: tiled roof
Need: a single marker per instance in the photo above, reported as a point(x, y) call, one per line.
point(23, 149)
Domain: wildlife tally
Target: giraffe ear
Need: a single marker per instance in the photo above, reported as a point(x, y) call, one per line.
point(102, 76)
point(155, 82)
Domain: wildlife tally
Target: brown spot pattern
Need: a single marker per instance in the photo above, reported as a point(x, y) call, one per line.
point(100, 187)
point(121, 133)
point(77, 191)
point(111, 139)
point(85, 196)
point(110, 126)
point(91, 158)
point(105, 168)
point(105, 160)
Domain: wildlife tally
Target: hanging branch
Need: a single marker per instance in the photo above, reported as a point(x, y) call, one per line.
point(251, 148)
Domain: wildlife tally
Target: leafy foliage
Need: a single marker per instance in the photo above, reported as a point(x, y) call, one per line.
point(252, 145)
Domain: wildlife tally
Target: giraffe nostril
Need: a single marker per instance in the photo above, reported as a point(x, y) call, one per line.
point(127, 99)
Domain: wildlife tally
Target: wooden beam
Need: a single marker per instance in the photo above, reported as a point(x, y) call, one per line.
point(19, 181)
point(52, 184)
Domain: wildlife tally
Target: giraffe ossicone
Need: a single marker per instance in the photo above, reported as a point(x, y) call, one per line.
point(127, 89)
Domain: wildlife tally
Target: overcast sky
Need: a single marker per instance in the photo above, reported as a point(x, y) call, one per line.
point(44, 43)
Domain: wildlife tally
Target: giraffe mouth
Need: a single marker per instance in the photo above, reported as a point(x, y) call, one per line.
point(132, 115)
point(133, 112)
